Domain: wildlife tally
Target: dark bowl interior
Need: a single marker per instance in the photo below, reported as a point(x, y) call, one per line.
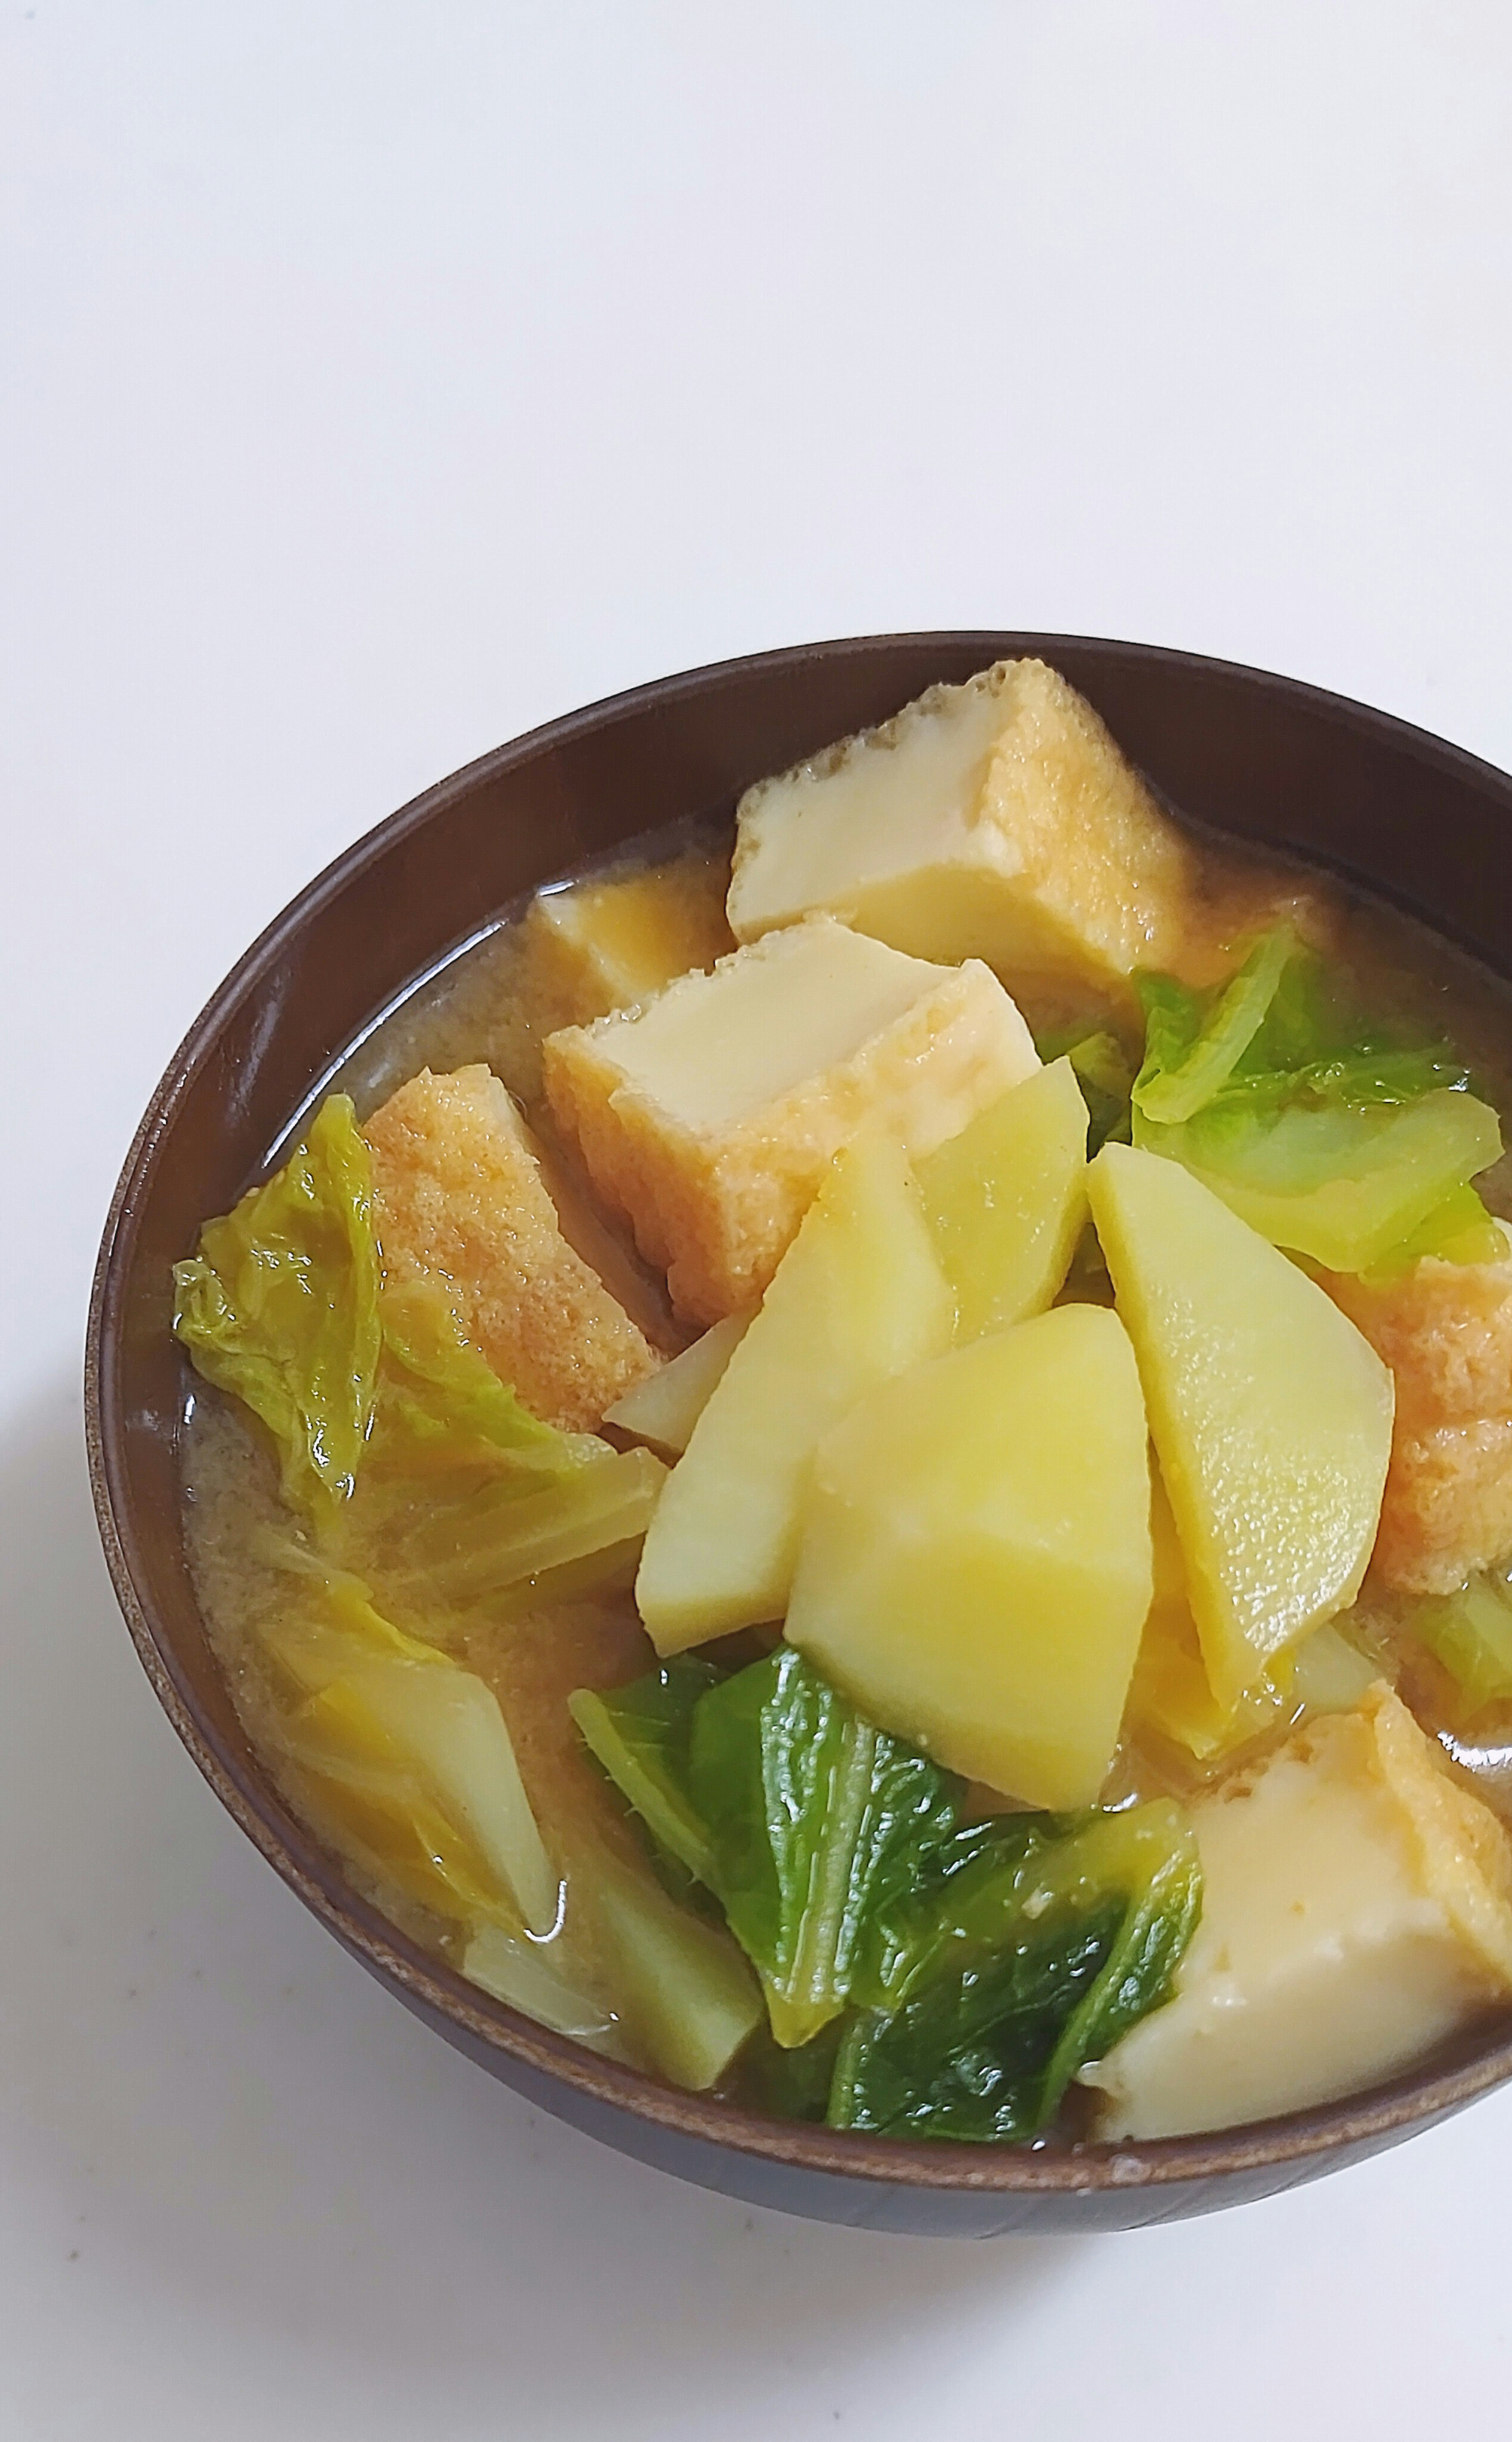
point(1252, 755)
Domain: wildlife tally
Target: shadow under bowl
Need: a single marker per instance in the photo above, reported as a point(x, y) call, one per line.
point(1260, 757)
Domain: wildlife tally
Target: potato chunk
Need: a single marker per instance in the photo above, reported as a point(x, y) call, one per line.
point(710, 1116)
point(858, 1297)
point(1356, 1909)
point(1446, 1332)
point(664, 1408)
point(995, 820)
point(975, 1566)
point(458, 1193)
point(1006, 1200)
point(1271, 1415)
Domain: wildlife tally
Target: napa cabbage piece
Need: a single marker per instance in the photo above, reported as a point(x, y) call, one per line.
point(1186, 1064)
point(490, 1548)
point(414, 1464)
point(409, 1752)
point(1332, 1137)
point(1469, 1634)
point(682, 1988)
point(684, 2000)
point(280, 1307)
point(529, 1976)
point(440, 1406)
point(905, 1944)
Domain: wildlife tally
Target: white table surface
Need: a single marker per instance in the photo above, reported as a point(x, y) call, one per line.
point(378, 381)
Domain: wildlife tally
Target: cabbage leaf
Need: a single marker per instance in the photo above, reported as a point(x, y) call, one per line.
point(1335, 1138)
point(414, 1465)
point(409, 1752)
point(280, 1306)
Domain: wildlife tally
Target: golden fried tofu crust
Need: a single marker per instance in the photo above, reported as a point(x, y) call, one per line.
point(459, 1195)
point(1446, 1332)
point(715, 1177)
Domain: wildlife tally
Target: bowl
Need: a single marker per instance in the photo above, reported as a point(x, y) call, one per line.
point(1255, 756)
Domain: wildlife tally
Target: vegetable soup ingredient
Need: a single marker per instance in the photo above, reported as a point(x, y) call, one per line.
point(641, 1735)
point(665, 1407)
point(1469, 1633)
point(1348, 1188)
point(860, 1296)
point(681, 1986)
point(926, 1968)
point(1171, 1695)
point(1187, 1066)
point(995, 820)
point(1323, 1132)
point(976, 1565)
point(280, 1307)
point(1050, 1943)
point(494, 1550)
point(821, 1826)
point(1356, 1909)
point(409, 1754)
point(1006, 1200)
point(529, 1977)
point(709, 1116)
point(438, 1485)
point(1271, 1415)
point(459, 1197)
point(1445, 1331)
point(611, 942)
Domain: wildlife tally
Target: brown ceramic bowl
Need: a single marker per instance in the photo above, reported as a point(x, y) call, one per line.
point(1252, 755)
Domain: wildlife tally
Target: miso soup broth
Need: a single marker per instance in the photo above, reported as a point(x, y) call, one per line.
point(683, 1528)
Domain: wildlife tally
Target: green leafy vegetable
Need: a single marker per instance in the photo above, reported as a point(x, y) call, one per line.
point(281, 1307)
point(1459, 1231)
point(1470, 1634)
point(441, 1406)
point(531, 1976)
point(1330, 1137)
point(1105, 1077)
point(818, 1825)
point(1050, 1943)
point(413, 1462)
point(681, 1986)
point(490, 1547)
point(1185, 1066)
point(1347, 1187)
point(641, 1735)
point(925, 1968)
point(409, 1751)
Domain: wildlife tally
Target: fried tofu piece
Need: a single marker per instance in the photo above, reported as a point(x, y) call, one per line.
point(459, 1195)
point(998, 820)
point(709, 1116)
point(1446, 1332)
point(609, 944)
point(1357, 1910)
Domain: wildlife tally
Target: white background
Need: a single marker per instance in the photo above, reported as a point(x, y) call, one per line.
point(378, 381)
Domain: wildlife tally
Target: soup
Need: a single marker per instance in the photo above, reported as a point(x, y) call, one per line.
point(880, 1480)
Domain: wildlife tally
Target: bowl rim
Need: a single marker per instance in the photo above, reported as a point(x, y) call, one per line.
point(1392, 2109)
